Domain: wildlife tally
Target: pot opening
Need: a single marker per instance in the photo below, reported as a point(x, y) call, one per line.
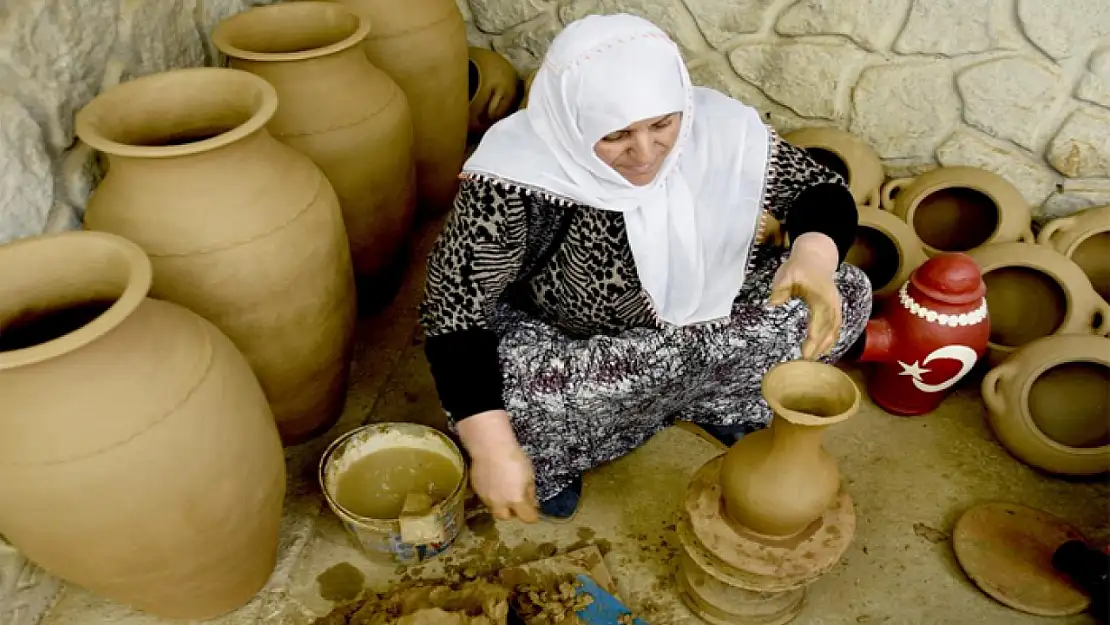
point(804, 388)
point(1091, 256)
point(36, 327)
point(1069, 404)
point(1025, 304)
point(876, 254)
point(956, 219)
point(829, 159)
point(291, 28)
point(475, 79)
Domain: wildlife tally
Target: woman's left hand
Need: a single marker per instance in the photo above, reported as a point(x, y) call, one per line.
point(808, 274)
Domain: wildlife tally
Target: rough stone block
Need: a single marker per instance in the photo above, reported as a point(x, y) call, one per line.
point(1035, 181)
point(870, 23)
point(1010, 98)
point(1073, 200)
point(525, 45)
point(1063, 27)
point(52, 59)
point(808, 78)
point(717, 74)
point(1082, 147)
point(672, 17)
point(905, 110)
point(1094, 86)
point(721, 20)
point(948, 27)
point(209, 13)
point(26, 591)
point(495, 16)
point(158, 35)
point(27, 182)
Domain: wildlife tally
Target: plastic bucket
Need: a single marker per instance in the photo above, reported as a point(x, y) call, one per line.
point(382, 539)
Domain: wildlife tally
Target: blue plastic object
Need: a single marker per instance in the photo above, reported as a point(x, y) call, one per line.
point(605, 609)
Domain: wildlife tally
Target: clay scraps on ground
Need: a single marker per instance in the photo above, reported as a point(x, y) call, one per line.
point(554, 602)
point(341, 582)
point(930, 534)
point(478, 602)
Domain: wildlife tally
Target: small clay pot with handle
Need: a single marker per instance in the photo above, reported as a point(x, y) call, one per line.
point(494, 86)
point(1085, 238)
point(957, 209)
point(1034, 291)
point(886, 249)
point(847, 155)
point(1048, 404)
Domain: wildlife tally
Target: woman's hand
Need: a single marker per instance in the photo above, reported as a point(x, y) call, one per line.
point(500, 472)
point(808, 274)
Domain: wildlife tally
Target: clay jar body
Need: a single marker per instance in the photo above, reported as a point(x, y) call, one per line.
point(240, 228)
point(929, 338)
point(348, 116)
point(848, 156)
point(1034, 291)
point(140, 458)
point(494, 86)
point(422, 45)
point(956, 209)
point(886, 249)
point(779, 480)
point(1085, 239)
point(1048, 404)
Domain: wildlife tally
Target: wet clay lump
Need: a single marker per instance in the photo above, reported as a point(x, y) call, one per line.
point(377, 485)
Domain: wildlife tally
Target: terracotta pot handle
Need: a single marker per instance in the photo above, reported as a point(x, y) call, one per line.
point(1052, 227)
point(872, 199)
point(886, 194)
point(989, 389)
point(1027, 236)
point(1100, 319)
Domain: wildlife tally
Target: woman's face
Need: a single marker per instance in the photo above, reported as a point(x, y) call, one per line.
point(638, 151)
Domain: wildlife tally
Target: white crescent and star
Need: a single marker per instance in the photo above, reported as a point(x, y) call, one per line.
point(965, 355)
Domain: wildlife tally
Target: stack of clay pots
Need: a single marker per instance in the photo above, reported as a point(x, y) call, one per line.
point(1048, 392)
point(152, 366)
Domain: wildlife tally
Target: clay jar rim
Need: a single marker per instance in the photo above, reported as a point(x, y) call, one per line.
point(304, 13)
point(812, 373)
point(189, 93)
point(78, 247)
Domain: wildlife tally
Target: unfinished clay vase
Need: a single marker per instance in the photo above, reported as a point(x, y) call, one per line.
point(1034, 291)
point(926, 341)
point(956, 209)
point(1049, 402)
point(886, 249)
point(140, 458)
point(494, 86)
point(348, 116)
point(847, 155)
point(779, 480)
point(1085, 238)
point(240, 228)
point(422, 45)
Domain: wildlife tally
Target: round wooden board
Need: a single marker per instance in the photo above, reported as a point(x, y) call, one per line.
point(1006, 549)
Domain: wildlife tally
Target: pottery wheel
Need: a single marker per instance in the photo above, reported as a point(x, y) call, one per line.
point(1006, 549)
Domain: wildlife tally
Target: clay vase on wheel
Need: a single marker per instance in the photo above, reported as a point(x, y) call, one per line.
point(1034, 291)
point(493, 87)
point(240, 228)
point(956, 209)
point(422, 45)
point(886, 249)
point(140, 457)
point(779, 480)
point(847, 155)
point(1084, 238)
point(348, 116)
point(1048, 404)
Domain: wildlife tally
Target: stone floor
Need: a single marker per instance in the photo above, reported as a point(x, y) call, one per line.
point(910, 479)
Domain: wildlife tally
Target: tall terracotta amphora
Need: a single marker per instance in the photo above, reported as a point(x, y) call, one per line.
point(422, 45)
point(240, 228)
point(138, 455)
point(779, 480)
point(335, 107)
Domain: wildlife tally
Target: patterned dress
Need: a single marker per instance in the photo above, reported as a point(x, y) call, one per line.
point(533, 306)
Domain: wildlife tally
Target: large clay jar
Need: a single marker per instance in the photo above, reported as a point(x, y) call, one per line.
point(1034, 291)
point(956, 209)
point(1049, 402)
point(779, 480)
point(240, 228)
point(348, 116)
point(422, 45)
point(527, 89)
point(494, 85)
point(1084, 238)
point(886, 249)
point(140, 458)
point(848, 156)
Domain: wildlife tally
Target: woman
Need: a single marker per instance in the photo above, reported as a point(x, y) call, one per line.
point(601, 275)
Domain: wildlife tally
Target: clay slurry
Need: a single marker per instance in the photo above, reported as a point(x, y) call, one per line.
point(376, 485)
point(43, 326)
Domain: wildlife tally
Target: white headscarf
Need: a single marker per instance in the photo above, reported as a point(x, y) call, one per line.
point(692, 227)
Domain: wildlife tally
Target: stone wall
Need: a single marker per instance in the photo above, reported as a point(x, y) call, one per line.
point(1020, 87)
point(55, 55)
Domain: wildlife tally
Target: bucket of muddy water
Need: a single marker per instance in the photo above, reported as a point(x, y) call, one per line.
point(398, 488)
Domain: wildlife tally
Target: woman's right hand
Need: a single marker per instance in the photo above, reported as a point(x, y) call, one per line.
point(500, 472)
